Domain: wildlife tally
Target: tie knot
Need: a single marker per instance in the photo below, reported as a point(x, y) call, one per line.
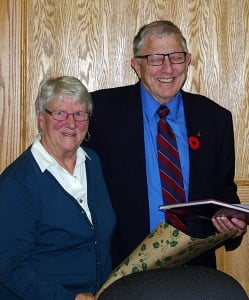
point(163, 111)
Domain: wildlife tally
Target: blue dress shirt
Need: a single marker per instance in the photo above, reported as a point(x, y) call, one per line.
point(176, 120)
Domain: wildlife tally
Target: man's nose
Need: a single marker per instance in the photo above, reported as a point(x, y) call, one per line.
point(167, 65)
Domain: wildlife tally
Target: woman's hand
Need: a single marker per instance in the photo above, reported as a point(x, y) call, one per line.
point(85, 296)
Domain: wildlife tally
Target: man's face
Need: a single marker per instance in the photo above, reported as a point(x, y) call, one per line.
point(164, 81)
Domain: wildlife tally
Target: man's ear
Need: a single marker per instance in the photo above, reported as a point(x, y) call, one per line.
point(136, 67)
point(189, 57)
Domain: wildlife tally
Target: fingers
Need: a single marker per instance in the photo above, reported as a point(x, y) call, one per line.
point(85, 296)
point(231, 213)
point(224, 224)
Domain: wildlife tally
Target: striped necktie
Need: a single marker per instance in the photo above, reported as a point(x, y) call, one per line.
point(169, 167)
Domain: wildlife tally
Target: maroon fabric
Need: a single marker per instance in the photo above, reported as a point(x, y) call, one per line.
point(169, 168)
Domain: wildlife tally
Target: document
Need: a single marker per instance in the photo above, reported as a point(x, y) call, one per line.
point(203, 206)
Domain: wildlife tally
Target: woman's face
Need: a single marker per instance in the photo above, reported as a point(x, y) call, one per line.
point(62, 138)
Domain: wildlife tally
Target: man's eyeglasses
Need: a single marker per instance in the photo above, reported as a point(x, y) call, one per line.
point(158, 59)
point(60, 115)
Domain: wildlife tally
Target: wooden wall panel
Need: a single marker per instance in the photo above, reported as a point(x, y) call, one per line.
point(92, 40)
point(10, 87)
point(219, 40)
point(236, 262)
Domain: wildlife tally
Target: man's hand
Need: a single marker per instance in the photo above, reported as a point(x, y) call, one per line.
point(227, 219)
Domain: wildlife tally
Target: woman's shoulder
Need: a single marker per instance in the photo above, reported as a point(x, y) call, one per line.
point(23, 162)
point(90, 152)
point(24, 171)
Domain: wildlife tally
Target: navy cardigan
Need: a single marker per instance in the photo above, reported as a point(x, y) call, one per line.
point(48, 248)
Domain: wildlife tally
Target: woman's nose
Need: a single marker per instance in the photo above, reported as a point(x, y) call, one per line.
point(70, 121)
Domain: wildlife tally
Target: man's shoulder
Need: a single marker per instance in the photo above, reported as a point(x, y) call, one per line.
point(202, 102)
point(115, 91)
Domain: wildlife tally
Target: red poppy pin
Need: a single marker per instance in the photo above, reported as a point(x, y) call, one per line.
point(194, 142)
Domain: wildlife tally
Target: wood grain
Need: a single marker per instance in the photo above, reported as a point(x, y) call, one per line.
point(10, 104)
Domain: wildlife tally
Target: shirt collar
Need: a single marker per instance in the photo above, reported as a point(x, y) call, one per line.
point(45, 160)
point(150, 105)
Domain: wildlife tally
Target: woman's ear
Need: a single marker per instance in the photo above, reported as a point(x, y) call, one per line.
point(40, 121)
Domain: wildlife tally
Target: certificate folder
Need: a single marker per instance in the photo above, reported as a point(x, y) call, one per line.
point(202, 206)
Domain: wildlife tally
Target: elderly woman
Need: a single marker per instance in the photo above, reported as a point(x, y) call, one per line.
point(56, 218)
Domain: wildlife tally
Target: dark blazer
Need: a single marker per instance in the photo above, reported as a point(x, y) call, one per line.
point(116, 130)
